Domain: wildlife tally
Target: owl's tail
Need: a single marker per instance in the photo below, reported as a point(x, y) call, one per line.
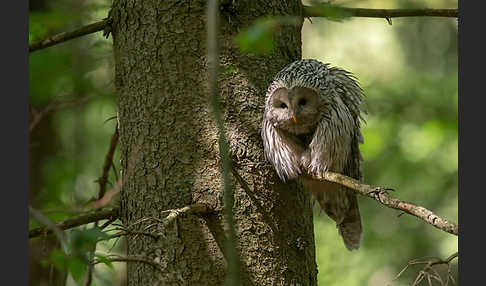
point(341, 205)
point(350, 228)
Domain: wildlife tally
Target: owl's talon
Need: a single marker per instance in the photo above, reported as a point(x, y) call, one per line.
point(380, 190)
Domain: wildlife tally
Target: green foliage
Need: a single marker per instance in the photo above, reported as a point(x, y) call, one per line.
point(41, 23)
point(76, 266)
point(105, 260)
point(330, 11)
point(258, 38)
point(81, 243)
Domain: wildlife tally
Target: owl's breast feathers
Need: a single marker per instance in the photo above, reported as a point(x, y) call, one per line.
point(305, 139)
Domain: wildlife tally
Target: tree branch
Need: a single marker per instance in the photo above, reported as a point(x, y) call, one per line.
point(102, 190)
point(380, 194)
point(308, 11)
point(49, 225)
point(65, 36)
point(74, 222)
point(139, 259)
point(428, 272)
point(330, 11)
point(195, 209)
point(107, 165)
point(54, 105)
point(127, 233)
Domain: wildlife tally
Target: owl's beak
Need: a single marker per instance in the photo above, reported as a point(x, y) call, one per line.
point(294, 118)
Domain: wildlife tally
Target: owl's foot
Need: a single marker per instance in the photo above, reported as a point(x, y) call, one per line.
point(379, 190)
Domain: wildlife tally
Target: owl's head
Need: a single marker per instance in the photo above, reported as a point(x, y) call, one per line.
point(295, 110)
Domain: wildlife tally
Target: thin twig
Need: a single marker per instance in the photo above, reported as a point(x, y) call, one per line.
point(65, 36)
point(126, 233)
point(233, 277)
point(140, 259)
point(54, 105)
point(101, 192)
point(132, 160)
point(77, 221)
point(320, 11)
point(50, 227)
point(108, 222)
point(381, 195)
point(426, 271)
point(195, 209)
point(447, 260)
point(107, 165)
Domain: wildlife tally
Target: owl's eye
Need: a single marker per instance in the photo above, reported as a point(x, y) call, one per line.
point(302, 102)
point(283, 105)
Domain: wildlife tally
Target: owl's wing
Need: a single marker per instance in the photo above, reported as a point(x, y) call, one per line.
point(350, 227)
point(336, 149)
point(341, 205)
point(351, 94)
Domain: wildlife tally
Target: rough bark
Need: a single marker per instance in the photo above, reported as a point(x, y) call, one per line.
point(169, 152)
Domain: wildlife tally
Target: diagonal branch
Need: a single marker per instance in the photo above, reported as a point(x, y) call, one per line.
point(333, 11)
point(380, 194)
point(101, 193)
point(65, 36)
point(107, 165)
point(49, 225)
point(77, 221)
point(54, 105)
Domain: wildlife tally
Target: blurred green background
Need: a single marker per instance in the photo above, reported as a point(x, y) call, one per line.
point(409, 74)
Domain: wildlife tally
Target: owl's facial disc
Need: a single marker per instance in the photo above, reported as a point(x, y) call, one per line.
point(295, 110)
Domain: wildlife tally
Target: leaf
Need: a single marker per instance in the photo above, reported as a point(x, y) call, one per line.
point(59, 259)
point(258, 38)
point(75, 265)
point(77, 268)
point(83, 241)
point(329, 11)
point(105, 260)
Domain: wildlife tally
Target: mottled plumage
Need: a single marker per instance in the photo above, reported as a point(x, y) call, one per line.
point(312, 122)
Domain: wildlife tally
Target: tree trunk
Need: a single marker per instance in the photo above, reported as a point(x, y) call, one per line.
point(43, 147)
point(170, 158)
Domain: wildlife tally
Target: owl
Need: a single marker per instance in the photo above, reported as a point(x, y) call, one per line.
point(312, 123)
